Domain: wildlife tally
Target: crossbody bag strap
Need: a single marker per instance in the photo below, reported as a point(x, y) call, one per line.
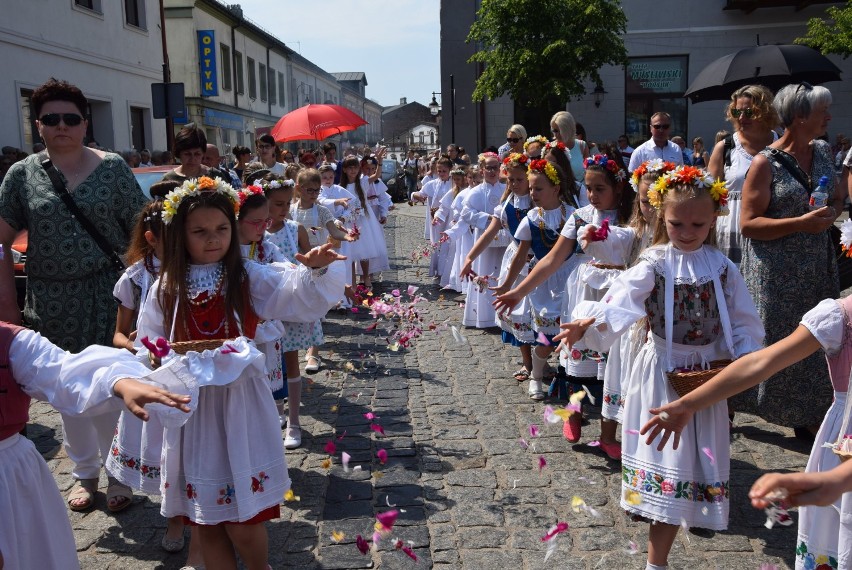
point(62, 192)
point(794, 169)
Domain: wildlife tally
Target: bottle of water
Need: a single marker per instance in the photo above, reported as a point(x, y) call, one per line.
point(819, 197)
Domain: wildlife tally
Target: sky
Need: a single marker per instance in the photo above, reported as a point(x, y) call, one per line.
point(396, 43)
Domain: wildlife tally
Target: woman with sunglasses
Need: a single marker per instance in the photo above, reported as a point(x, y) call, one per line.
point(516, 136)
point(564, 130)
point(70, 280)
point(788, 257)
point(753, 118)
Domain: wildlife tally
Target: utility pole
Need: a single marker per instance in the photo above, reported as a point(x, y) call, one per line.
point(167, 78)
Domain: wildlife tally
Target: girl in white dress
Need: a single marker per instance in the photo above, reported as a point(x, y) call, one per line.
point(824, 536)
point(478, 212)
point(319, 224)
point(34, 529)
point(226, 463)
point(539, 232)
point(431, 194)
point(699, 310)
point(449, 218)
point(290, 238)
point(134, 457)
point(362, 222)
point(379, 201)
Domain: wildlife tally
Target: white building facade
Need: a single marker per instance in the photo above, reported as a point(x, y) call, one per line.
point(111, 50)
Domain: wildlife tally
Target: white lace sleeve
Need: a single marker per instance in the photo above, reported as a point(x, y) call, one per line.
point(295, 293)
point(827, 323)
point(746, 327)
point(622, 306)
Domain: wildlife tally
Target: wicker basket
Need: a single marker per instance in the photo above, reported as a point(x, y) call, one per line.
point(685, 382)
point(186, 346)
point(842, 455)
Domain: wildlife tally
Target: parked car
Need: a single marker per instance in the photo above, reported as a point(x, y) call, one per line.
point(146, 177)
point(393, 177)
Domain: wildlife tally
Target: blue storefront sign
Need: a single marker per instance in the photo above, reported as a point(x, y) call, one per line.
point(223, 120)
point(207, 62)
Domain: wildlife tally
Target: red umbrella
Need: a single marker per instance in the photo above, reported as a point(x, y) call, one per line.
point(315, 122)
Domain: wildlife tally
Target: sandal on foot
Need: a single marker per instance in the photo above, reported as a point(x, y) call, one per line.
point(313, 364)
point(612, 450)
point(172, 544)
point(115, 493)
point(522, 375)
point(84, 489)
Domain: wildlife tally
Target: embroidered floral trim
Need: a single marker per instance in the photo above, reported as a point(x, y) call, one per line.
point(654, 483)
point(227, 495)
point(190, 492)
point(587, 354)
point(614, 400)
point(546, 322)
point(135, 463)
point(656, 258)
point(257, 482)
point(811, 561)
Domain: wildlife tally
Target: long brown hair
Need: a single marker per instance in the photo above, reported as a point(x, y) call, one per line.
point(149, 219)
point(175, 268)
point(560, 159)
point(622, 189)
point(345, 182)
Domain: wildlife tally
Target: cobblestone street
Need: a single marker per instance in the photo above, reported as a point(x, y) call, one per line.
point(469, 495)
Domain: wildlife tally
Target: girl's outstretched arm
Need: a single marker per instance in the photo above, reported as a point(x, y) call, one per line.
point(136, 394)
point(546, 267)
point(797, 489)
point(481, 245)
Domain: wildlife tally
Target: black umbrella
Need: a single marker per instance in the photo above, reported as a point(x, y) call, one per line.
point(773, 66)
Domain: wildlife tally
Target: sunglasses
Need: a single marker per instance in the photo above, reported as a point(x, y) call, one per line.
point(748, 113)
point(53, 119)
point(661, 127)
point(260, 224)
point(512, 139)
point(491, 168)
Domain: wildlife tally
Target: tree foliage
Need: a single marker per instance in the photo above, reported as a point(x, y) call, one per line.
point(831, 35)
point(538, 50)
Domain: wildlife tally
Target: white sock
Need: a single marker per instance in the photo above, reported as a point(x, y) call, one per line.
point(538, 364)
point(649, 566)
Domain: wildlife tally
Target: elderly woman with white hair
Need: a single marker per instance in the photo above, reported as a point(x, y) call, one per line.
point(788, 259)
point(564, 129)
point(516, 136)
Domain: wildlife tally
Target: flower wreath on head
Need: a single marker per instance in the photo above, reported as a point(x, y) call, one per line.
point(558, 145)
point(607, 163)
point(194, 187)
point(489, 154)
point(689, 176)
point(518, 157)
point(536, 138)
point(846, 237)
point(248, 191)
point(268, 185)
point(458, 171)
point(544, 167)
point(654, 166)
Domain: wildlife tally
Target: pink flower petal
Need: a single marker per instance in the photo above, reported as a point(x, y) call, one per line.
point(709, 454)
point(533, 430)
point(410, 553)
point(542, 462)
point(632, 431)
point(523, 443)
point(560, 527)
point(395, 293)
point(370, 416)
point(387, 519)
point(344, 459)
point(595, 443)
point(412, 290)
point(341, 436)
point(330, 448)
point(378, 429)
point(382, 455)
point(542, 339)
point(362, 544)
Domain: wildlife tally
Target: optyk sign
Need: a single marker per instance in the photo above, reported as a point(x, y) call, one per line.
point(207, 62)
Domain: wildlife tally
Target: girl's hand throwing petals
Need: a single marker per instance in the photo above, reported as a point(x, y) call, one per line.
point(507, 301)
point(573, 331)
point(136, 394)
point(668, 419)
point(467, 271)
point(499, 289)
point(797, 489)
point(319, 256)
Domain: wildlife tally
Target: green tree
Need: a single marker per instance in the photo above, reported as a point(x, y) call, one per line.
point(543, 52)
point(831, 35)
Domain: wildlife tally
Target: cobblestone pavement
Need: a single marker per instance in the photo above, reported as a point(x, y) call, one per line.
point(469, 496)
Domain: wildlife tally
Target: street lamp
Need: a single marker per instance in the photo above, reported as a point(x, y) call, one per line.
point(435, 107)
point(598, 94)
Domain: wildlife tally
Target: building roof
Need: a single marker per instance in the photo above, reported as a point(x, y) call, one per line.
point(351, 76)
point(393, 108)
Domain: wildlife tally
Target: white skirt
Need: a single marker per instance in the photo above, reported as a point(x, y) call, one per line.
point(136, 452)
point(518, 323)
point(546, 299)
point(34, 528)
point(478, 310)
point(226, 463)
point(675, 485)
point(461, 244)
point(371, 244)
point(826, 531)
point(619, 361)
